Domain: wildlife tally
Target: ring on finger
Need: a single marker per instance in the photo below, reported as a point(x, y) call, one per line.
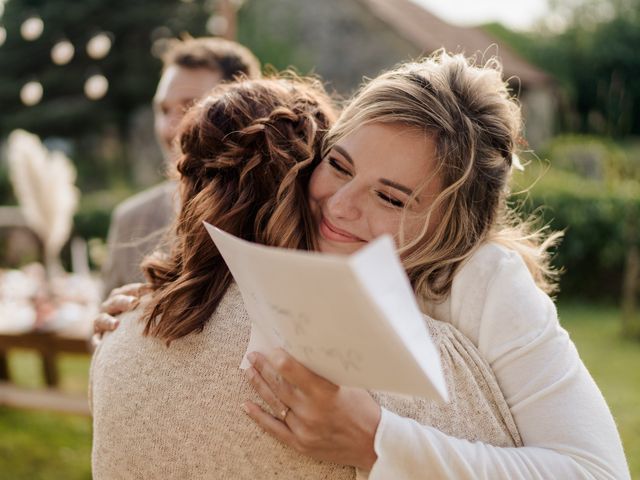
point(284, 412)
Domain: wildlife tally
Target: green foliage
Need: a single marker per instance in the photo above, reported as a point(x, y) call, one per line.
point(597, 158)
point(595, 60)
point(609, 356)
point(599, 216)
point(43, 445)
point(88, 127)
point(130, 68)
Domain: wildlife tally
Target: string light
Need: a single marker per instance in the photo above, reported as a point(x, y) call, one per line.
point(32, 28)
point(98, 47)
point(62, 52)
point(96, 87)
point(31, 93)
point(217, 25)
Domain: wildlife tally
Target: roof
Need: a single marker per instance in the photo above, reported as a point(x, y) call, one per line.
point(430, 33)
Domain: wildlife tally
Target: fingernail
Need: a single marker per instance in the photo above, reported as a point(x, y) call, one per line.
point(250, 372)
point(252, 357)
point(245, 407)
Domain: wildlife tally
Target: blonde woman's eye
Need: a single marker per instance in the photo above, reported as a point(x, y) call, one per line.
point(390, 200)
point(336, 166)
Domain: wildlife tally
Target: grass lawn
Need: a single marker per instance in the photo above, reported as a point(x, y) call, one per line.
point(39, 445)
point(42, 445)
point(614, 362)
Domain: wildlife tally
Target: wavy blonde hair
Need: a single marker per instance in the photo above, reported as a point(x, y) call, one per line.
point(476, 125)
point(247, 152)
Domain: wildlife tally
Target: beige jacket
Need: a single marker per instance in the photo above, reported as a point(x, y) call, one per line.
point(137, 227)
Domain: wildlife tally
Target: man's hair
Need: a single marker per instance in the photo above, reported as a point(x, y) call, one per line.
point(229, 58)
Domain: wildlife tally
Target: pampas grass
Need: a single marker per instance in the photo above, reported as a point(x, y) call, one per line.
point(43, 182)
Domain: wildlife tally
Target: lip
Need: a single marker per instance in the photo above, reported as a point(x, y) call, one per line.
point(331, 232)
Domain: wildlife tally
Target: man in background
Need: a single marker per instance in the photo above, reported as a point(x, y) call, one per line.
point(191, 68)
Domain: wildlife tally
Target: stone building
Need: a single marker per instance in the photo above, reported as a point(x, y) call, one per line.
point(346, 40)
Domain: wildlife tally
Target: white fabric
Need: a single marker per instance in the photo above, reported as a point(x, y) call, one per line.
point(565, 424)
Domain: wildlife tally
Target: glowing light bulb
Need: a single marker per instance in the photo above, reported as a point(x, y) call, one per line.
point(98, 47)
point(96, 87)
point(62, 52)
point(32, 28)
point(217, 25)
point(31, 93)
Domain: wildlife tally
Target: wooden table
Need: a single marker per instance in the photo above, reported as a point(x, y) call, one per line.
point(48, 345)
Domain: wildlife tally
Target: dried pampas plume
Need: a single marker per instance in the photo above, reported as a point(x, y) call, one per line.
point(43, 182)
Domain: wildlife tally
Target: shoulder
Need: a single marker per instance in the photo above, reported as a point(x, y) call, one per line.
point(495, 301)
point(159, 197)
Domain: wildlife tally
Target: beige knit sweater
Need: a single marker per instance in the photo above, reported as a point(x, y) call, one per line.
point(174, 413)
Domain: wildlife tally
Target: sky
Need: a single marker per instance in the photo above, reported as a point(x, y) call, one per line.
point(517, 15)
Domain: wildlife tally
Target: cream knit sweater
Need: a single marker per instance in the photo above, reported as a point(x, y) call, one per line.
point(174, 413)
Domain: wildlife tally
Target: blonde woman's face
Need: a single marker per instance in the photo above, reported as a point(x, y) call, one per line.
point(360, 189)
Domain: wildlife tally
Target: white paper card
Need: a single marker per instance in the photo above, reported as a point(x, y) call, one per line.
point(353, 320)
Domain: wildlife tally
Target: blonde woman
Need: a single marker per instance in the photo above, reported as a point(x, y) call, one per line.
point(424, 152)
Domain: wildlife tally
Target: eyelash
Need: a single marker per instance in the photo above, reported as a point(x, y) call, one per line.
point(336, 166)
point(386, 198)
point(390, 200)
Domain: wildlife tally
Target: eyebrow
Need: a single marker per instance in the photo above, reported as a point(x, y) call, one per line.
point(397, 186)
point(344, 153)
point(384, 181)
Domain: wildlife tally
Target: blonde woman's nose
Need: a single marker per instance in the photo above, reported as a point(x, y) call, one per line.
point(343, 203)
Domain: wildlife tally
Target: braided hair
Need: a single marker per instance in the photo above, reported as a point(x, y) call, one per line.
point(248, 151)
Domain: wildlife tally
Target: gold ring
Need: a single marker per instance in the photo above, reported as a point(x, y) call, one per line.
point(283, 414)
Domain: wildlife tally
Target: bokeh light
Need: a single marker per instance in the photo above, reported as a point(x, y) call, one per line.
point(99, 45)
point(96, 87)
point(32, 28)
point(217, 25)
point(31, 93)
point(3, 35)
point(62, 52)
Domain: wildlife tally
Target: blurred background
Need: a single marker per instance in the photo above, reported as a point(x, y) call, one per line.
point(81, 76)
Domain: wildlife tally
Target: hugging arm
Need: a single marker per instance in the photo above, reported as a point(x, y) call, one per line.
point(120, 300)
point(565, 424)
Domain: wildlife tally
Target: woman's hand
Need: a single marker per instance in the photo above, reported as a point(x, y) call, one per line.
point(314, 416)
point(120, 300)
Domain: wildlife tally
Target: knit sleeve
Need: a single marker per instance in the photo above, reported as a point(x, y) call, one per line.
point(565, 424)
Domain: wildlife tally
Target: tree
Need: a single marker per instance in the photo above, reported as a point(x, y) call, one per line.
point(130, 68)
point(595, 58)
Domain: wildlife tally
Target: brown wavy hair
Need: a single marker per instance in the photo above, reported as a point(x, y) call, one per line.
point(248, 150)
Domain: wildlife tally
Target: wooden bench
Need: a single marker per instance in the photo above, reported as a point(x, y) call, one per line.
point(48, 345)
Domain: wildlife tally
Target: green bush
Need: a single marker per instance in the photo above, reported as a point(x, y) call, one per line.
point(94, 213)
point(596, 158)
point(600, 222)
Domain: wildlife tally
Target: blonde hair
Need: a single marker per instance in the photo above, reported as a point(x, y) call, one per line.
point(476, 125)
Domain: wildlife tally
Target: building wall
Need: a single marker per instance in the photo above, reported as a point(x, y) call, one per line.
point(539, 108)
point(339, 39)
point(342, 41)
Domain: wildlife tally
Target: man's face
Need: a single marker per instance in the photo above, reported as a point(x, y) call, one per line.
point(178, 89)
